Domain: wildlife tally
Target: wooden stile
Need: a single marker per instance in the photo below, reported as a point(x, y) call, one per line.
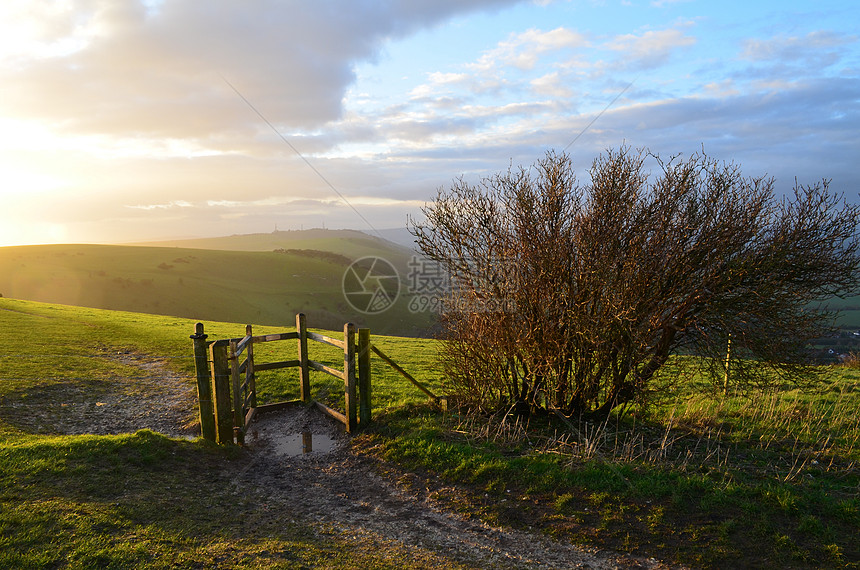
point(334, 414)
point(228, 404)
point(238, 400)
point(326, 339)
point(250, 378)
point(276, 365)
point(320, 367)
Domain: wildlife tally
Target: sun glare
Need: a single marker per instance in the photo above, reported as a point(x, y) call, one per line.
point(26, 182)
point(26, 30)
point(29, 233)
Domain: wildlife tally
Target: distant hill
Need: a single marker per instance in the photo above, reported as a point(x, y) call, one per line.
point(351, 243)
point(235, 278)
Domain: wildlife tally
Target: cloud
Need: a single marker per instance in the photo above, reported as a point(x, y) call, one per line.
point(157, 73)
point(523, 50)
point(551, 84)
point(168, 206)
point(661, 3)
point(815, 47)
point(125, 102)
point(789, 59)
point(650, 49)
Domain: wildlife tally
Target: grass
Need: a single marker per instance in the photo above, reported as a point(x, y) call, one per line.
point(48, 345)
point(703, 480)
point(707, 481)
point(263, 287)
point(143, 499)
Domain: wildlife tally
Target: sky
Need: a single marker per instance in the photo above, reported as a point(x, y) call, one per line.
point(136, 120)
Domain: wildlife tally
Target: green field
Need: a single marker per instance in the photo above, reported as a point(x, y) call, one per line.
point(244, 282)
point(711, 481)
point(142, 499)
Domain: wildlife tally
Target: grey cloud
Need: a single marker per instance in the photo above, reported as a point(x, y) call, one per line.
point(157, 74)
point(806, 131)
point(801, 49)
point(793, 58)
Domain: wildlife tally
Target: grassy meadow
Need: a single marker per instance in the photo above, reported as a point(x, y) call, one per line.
point(700, 479)
point(143, 499)
point(247, 282)
point(770, 480)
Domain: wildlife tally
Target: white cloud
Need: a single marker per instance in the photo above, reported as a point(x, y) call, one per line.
point(551, 84)
point(650, 49)
point(523, 50)
point(121, 116)
point(168, 206)
point(662, 3)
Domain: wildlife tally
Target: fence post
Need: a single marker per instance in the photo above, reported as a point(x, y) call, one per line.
point(238, 400)
point(221, 392)
point(304, 377)
point(363, 377)
point(204, 383)
point(250, 377)
point(349, 398)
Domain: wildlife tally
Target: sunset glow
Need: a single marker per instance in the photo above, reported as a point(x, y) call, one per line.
point(137, 120)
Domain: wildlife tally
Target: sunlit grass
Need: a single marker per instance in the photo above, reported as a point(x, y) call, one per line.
point(260, 286)
point(143, 500)
point(756, 479)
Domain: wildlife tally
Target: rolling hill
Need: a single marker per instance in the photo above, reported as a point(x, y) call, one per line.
point(351, 243)
point(236, 278)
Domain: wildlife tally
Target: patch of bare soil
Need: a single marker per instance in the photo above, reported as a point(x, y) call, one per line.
point(156, 398)
point(331, 485)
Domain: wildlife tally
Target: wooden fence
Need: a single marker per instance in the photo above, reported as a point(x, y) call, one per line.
point(227, 388)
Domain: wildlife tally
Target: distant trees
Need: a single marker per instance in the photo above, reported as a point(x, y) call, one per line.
point(572, 296)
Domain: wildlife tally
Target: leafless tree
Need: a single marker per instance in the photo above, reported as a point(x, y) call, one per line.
point(572, 296)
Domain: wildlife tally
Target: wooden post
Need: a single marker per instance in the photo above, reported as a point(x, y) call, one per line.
point(238, 400)
point(363, 377)
point(350, 402)
point(250, 378)
point(204, 383)
point(304, 377)
point(221, 392)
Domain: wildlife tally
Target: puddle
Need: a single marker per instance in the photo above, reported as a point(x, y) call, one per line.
point(305, 442)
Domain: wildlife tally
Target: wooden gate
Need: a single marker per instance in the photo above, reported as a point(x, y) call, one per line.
point(227, 387)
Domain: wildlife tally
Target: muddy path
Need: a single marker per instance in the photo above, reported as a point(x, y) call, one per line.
point(336, 486)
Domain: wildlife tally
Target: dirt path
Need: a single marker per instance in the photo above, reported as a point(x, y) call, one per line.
point(331, 485)
point(343, 489)
point(155, 398)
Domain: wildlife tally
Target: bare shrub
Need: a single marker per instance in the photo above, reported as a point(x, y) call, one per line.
point(571, 297)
